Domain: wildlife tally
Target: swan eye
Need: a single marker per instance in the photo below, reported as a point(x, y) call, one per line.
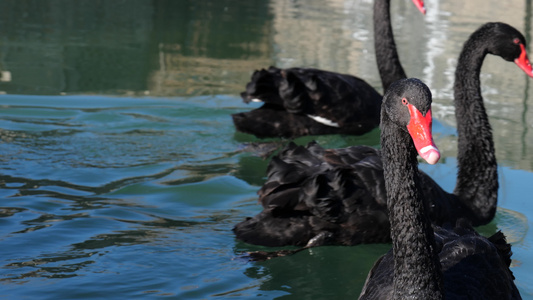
point(405, 102)
point(516, 41)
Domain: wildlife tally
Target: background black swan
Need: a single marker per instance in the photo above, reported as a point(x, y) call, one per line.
point(300, 101)
point(337, 196)
point(456, 264)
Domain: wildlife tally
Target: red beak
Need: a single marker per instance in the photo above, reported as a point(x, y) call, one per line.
point(420, 5)
point(523, 61)
point(419, 128)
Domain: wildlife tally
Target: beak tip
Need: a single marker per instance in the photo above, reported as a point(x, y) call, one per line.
point(432, 156)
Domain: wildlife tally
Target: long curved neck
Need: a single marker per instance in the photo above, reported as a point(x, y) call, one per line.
point(389, 66)
point(477, 178)
point(416, 262)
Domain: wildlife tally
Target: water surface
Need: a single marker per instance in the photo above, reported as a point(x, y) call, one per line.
point(121, 174)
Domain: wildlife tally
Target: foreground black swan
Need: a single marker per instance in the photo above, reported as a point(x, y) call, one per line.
point(423, 264)
point(315, 196)
point(299, 101)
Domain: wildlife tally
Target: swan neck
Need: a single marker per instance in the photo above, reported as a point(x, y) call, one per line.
point(416, 262)
point(477, 179)
point(389, 66)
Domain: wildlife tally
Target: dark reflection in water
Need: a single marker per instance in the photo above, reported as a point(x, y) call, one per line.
point(61, 46)
point(217, 29)
point(327, 272)
point(40, 267)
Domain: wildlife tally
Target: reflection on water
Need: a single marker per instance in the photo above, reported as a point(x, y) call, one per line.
point(328, 272)
point(164, 47)
point(175, 48)
point(127, 196)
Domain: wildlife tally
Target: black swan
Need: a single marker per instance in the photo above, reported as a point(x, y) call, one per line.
point(423, 264)
point(300, 101)
point(315, 196)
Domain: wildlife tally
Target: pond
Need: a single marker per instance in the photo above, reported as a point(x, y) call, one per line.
point(121, 172)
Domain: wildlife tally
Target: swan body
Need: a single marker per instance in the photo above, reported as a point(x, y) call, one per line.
point(339, 195)
point(306, 101)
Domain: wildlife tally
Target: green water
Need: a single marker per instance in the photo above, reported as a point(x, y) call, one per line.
point(121, 174)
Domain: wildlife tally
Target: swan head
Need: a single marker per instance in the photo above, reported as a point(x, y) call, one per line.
point(509, 43)
point(407, 103)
